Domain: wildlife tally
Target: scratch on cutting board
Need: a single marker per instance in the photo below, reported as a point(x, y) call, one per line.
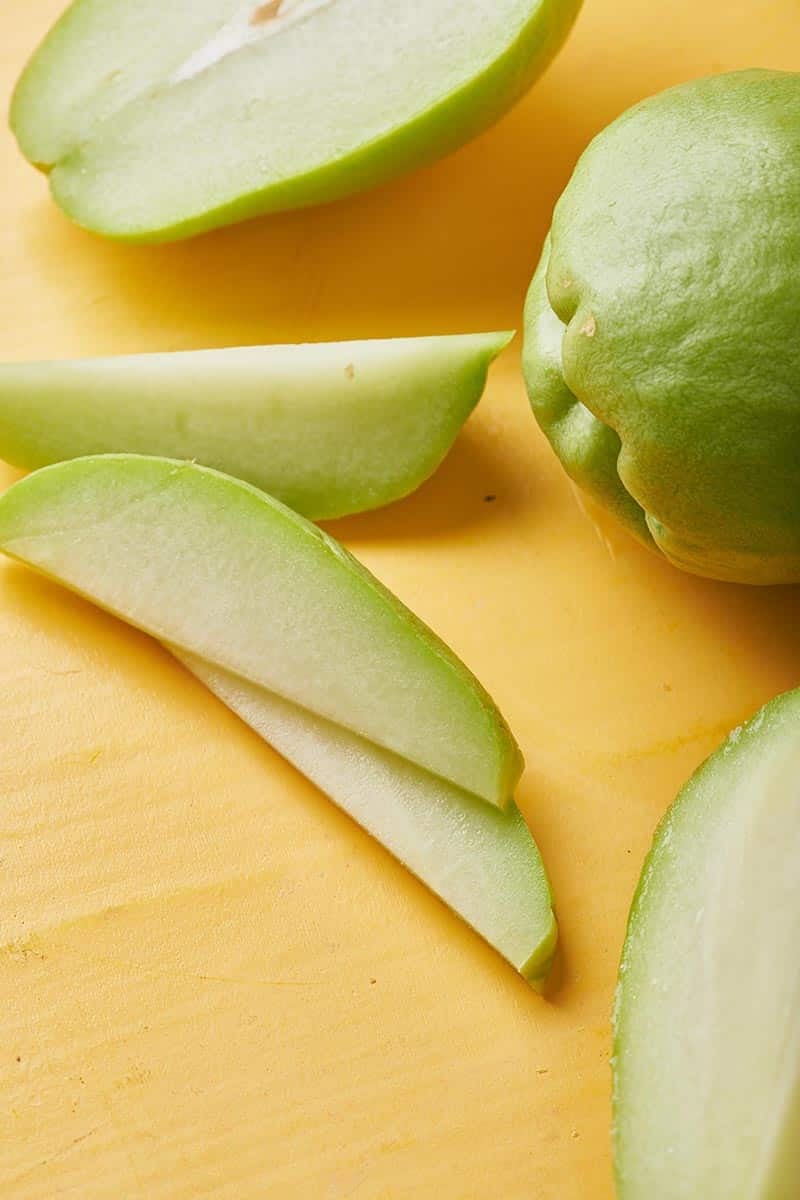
point(256, 982)
point(701, 732)
point(57, 1154)
point(24, 944)
point(345, 1184)
point(133, 1185)
point(22, 951)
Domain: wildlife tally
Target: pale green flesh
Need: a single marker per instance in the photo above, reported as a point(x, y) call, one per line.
point(328, 428)
point(707, 1055)
point(162, 120)
point(482, 863)
point(220, 569)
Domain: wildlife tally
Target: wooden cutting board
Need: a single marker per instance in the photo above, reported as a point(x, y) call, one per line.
point(211, 983)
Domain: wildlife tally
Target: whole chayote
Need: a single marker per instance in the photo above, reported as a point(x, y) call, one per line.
point(662, 327)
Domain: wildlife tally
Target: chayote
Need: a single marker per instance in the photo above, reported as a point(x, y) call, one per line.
point(662, 327)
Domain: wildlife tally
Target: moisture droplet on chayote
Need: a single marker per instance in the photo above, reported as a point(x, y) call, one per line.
point(662, 333)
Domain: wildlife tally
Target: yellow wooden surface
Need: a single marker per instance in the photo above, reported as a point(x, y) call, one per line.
point(211, 983)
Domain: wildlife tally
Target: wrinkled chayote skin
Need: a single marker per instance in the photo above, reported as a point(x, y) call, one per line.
point(662, 327)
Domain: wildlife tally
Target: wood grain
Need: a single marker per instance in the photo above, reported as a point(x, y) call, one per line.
point(211, 983)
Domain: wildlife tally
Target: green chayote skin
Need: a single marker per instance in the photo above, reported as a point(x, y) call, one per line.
point(662, 327)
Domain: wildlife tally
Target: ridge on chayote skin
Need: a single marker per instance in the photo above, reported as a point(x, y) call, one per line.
point(707, 1018)
point(157, 122)
point(662, 356)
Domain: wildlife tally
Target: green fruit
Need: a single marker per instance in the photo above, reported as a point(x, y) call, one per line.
point(227, 573)
point(661, 350)
point(483, 863)
point(157, 121)
point(707, 1047)
point(329, 429)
